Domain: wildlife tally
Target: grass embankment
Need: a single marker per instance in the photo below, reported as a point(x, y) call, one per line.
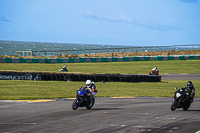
point(137, 67)
point(13, 89)
point(21, 89)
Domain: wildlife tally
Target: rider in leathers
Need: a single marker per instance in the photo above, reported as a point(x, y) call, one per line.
point(91, 86)
point(191, 89)
point(154, 69)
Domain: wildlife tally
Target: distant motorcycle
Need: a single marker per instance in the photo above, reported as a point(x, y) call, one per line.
point(156, 72)
point(83, 99)
point(61, 70)
point(181, 99)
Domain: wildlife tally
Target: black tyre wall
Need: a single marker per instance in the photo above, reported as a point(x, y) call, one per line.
point(83, 77)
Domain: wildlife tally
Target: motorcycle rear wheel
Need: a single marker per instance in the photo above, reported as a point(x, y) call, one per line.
point(187, 107)
point(173, 106)
point(90, 104)
point(75, 104)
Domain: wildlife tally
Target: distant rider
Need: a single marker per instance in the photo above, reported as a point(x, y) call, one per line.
point(191, 89)
point(64, 68)
point(154, 70)
point(91, 87)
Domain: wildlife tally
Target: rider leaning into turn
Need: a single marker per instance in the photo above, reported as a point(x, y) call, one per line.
point(91, 86)
point(154, 69)
point(191, 89)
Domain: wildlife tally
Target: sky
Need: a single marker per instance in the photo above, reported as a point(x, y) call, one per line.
point(108, 22)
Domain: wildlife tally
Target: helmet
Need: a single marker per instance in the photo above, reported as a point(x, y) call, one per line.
point(155, 67)
point(88, 83)
point(189, 84)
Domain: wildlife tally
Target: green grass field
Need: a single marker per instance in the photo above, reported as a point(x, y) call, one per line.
point(21, 89)
point(137, 67)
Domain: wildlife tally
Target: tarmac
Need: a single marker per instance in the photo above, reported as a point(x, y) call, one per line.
point(117, 114)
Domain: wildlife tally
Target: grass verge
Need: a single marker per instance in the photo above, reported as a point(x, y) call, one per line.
point(137, 67)
point(29, 90)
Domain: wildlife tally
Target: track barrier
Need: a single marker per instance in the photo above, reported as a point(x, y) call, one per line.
point(61, 76)
point(98, 59)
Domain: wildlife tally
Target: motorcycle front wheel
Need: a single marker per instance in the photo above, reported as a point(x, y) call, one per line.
point(75, 104)
point(90, 104)
point(173, 106)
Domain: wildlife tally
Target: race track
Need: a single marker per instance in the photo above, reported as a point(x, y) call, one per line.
point(180, 76)
point(119, 115)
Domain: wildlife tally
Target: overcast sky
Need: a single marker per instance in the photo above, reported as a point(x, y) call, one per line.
point(112, 22)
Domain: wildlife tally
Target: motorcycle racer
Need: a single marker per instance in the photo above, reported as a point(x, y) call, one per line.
point(191, 89)
point(154, 69)
point(64, 69)
point(91, 86)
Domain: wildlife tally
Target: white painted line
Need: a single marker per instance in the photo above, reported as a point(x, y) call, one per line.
point(143, 127)
point(175, 128)
point(18, 123)
point(198, 131)
point(117, 125)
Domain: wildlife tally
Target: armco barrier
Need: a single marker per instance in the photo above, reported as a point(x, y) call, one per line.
point(98, 59)
point(12, 75)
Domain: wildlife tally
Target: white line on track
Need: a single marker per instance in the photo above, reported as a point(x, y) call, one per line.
point(198, 131)
point(175, 128)
point(18, 123)
point(116, 125)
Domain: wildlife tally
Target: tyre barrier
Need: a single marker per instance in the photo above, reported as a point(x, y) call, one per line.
point(11, 75)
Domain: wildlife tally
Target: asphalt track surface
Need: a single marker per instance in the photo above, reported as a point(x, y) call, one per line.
point(118, 115)
point(180, 76)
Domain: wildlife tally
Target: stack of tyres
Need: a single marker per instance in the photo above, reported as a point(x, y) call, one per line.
point(53, 77)
point(64, 77)
point(56, 77)
point(43, 76)
point(47, 76)
point(60, 77)
point(83, 77)
point(146, 78)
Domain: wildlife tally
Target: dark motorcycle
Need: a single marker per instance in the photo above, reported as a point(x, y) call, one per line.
point(83, 99)
point(181, 99)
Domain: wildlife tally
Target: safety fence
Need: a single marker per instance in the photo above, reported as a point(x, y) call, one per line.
point(98, 59)
point(52, 53)
point(65, 76)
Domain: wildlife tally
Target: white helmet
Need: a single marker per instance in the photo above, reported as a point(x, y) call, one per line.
point(88, 83)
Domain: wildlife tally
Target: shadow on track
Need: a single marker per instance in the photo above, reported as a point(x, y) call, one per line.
point(193, 110)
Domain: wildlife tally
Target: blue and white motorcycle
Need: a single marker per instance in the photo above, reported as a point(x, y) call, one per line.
point(181, 99)
point(83, 99)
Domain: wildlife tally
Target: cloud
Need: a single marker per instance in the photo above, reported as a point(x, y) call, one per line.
point(120, 18)
point(189, 1)
point(4, 19)
point(124, 19)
